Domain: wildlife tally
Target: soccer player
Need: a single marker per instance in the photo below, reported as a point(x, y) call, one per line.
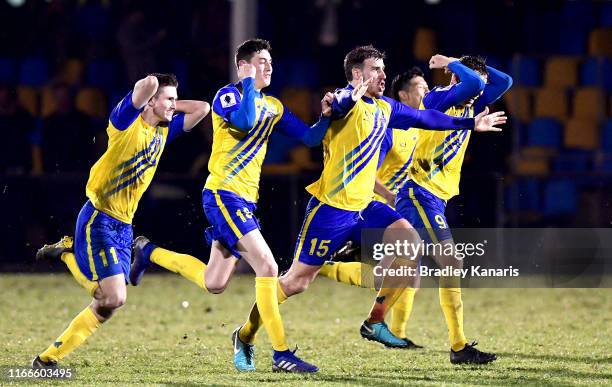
point(139, 128)
point(409, 88)
point(243, 119)
point(341, 204)
point(434, 176)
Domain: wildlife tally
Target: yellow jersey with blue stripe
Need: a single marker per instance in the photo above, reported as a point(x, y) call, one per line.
point(437, 160)
point(395, 158)
point(119, 178)
point(237, 156)
point(351, 146)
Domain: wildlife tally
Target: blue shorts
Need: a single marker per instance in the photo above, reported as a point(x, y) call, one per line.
point(326, 228)
point(102, 244)
point(231, 217)
point(424, 211)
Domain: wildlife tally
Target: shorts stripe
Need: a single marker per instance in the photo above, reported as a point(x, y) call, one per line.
point(92, 265)
point(226, 215)
point(423, 216)
point(298, 251)
point(114, 254)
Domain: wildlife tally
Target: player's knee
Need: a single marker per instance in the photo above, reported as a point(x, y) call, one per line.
point(215, 286)
point(296, 286)
point(114, 300)
point(267, 267)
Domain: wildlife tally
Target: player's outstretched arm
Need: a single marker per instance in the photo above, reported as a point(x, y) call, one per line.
point(194, 111)
point(499, 82)
point(144, 90)
point(244, 117)
point(293, 127)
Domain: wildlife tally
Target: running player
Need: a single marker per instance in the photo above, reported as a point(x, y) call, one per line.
point(341, 204)
point(243, 119)
point(139, 128)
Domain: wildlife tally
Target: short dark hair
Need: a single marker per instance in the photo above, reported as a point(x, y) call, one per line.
point(400, 81)
point(476, 63)
point(165, 80)
point(357, 56)
point(248, 49)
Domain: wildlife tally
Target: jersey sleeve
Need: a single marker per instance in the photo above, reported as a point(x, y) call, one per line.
point(176, 127)
point(499, 83)
point(125, 113)
point(405, 117)
point(226, 101)
point(343, 103)
point(293, 127)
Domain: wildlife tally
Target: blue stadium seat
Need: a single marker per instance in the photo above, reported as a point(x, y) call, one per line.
point(573, 40)
point(590, 71)
point(607, 74)
point(605, 15)
point(33, 72)
point(606, 136)
point(544, 132)
point(529, 197)
point(560, 197)
point(7, 71)
point(573, 161)
point(101, 74)
point(525, 71)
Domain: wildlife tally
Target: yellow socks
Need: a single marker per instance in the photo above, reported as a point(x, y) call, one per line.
point(267, 304)
point(452, 306)
point(70, 260)
point(385, 299)
point(189, 267)
point(249, 330)
point(400, 313)
point(83, 326)
point(345, 272)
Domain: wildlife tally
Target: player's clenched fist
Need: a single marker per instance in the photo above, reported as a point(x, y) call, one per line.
point(440, 61)
point(246, 70)
point(326, 104)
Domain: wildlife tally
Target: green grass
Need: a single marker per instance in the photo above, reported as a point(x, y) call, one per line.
point(541, 336)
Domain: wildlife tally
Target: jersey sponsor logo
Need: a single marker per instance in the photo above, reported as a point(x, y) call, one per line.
point(228, 99)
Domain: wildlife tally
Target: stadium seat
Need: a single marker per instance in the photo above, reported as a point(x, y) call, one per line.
point(551, 102)
point(590, 71)
point(581, 133)
point(518, 102)
point(525, 71)
point(101, 74)
point(606, 136)
point(561, 71)
point(28, 98)
point(560, 197)
point(47, 101)
point(528, 199)
point(33, 72)
point(606, 14)
point(298, 101)
point(92, 102)
point(531, 167)
point(573, 161)
point(600, 42)
point(589, 102)
point(425, 45)
point(544, 132)
point(7, 71)
point(72, 72)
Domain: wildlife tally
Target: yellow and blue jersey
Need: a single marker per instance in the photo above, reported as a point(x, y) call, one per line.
point(119, 178)
point(238, 154)
point(352, 143)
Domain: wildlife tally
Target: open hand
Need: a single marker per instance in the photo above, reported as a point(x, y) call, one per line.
point(360, 89)
point(485, 122)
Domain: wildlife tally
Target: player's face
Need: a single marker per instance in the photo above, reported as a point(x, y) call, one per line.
point(375, 69)
point(417, 89)
point(164, 104)
point(263, 66)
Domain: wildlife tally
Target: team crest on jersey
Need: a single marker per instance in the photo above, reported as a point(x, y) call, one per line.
point(227, 100)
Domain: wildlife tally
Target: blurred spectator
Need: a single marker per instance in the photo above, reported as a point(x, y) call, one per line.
point(17, 128)
point(68, 136)
point(138, 44)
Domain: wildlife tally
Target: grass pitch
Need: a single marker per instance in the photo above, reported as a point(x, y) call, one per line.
point(541, 336)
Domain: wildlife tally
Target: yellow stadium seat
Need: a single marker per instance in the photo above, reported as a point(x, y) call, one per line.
point(298, 100)
point(531, 167)
point(581, 133)
point(589, 103)
point(28, 98)
point(47, 98)
point(551, 102)
point(92, 102)
point(561, 71)
point(72, 72)
point(424, 46)
point(600, 42)
point(518, 102)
